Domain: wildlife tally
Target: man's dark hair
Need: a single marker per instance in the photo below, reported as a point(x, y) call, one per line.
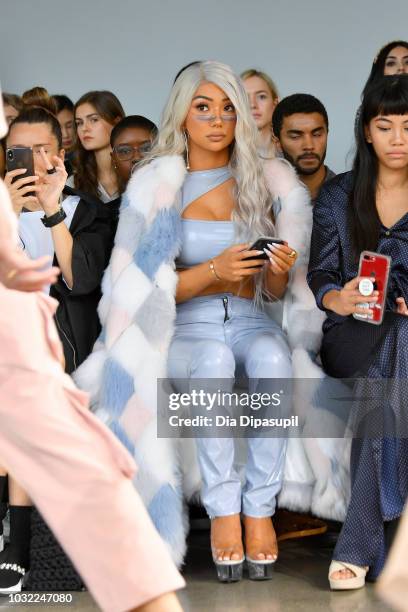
point(133, 121)
point(296, 103)
point(63, 103)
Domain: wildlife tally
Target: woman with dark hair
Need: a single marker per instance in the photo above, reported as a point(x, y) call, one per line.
point(12, 106)
point(78, 235)
point(130, 140)
point(65, 116)
point(96, 113)
point(391, 59)
point(367, 209)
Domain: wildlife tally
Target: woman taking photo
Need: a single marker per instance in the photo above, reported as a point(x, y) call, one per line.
point(78, 236)
point(263, 97)
point(367, 209)
point(96, 113)
point(197, 203)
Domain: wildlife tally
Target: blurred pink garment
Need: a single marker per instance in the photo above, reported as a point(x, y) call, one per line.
point(73, 468)
point(393, 582)
point(8, 221)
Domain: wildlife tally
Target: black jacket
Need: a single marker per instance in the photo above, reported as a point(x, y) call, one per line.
point(93, 230)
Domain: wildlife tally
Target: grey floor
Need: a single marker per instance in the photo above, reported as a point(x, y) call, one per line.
point(299, 584)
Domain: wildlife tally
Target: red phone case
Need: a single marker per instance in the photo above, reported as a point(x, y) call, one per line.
point(375, 267)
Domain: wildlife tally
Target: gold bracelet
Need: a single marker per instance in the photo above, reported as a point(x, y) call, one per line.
point(212, 268)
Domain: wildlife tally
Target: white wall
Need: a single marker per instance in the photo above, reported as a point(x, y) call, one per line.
point(135, 47)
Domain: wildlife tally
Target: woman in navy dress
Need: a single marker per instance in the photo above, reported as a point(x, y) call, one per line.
point(367, 209)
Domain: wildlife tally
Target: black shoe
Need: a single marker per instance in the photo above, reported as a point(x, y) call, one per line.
point(12, 578)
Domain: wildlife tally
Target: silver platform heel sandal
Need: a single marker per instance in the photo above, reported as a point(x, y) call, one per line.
point(260, 569)
point(229, 571)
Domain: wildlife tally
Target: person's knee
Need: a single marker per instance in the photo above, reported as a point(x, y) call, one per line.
point(212, 359)
point(269, 356)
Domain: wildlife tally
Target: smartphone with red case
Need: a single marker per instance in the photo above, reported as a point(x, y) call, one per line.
point(376, 268)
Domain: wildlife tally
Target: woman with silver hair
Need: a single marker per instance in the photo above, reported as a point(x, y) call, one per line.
point(189, 217)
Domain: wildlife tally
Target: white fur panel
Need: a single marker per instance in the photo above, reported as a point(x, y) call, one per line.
point(131, 289)
point(164, 175)
point(166, 278)
point(294, 222)
point(158, 455)
point(280, 177)
point(89, 374)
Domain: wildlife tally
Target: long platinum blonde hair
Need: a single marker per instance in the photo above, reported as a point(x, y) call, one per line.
point(253, 209)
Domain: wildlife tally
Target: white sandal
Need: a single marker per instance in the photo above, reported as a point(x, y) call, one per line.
point(345, 584)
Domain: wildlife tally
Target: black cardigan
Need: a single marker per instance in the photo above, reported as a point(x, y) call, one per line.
point(93, 230)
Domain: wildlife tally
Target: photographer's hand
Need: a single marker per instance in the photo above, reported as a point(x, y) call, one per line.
point(20, 188)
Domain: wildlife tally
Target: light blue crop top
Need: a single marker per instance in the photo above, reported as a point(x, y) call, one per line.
point(202, 239)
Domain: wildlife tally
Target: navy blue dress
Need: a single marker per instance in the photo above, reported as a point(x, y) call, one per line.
point(351, 348)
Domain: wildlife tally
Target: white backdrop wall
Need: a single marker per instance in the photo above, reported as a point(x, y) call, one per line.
point(135, 47)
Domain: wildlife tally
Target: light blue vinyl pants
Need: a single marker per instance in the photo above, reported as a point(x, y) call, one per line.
point(224, 336)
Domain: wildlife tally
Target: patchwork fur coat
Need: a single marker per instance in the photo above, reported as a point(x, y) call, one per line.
point(137, 312)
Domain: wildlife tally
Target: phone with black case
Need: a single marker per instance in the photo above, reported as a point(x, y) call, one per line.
point(18, 158)
point(262, 243)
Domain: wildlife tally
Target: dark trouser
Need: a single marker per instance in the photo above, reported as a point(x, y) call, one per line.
point(379, 466)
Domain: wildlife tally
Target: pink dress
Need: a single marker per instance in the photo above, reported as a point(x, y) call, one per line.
point(74, 469)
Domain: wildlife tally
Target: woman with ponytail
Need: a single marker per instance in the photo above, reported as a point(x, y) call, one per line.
point(77, 235)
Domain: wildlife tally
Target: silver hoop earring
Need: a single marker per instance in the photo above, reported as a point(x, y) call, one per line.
point(185, 136)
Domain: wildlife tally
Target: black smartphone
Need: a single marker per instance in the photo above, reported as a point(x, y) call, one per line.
point(262, 243)
point(21, 157)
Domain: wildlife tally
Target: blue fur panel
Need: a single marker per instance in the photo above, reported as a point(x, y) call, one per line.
point(120, 433)
point(117, 388)
point(124, 202)
point(166, 510)
point(160, 244)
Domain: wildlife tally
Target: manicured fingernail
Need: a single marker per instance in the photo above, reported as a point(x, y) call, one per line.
point(268, 253)
point(272, 246)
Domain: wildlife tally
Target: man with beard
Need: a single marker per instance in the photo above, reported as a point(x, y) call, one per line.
point(300, 126)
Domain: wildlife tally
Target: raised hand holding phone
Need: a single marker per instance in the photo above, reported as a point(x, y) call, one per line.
point(51, 183)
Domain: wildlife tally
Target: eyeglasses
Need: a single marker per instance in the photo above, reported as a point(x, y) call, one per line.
point(127, 152)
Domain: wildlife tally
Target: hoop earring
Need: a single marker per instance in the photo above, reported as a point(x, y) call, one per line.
point(185, 136)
